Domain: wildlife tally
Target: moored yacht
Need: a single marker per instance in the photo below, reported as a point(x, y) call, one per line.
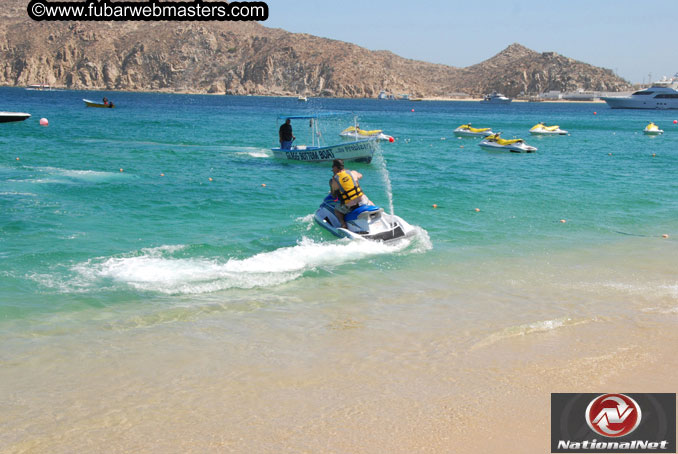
point(661, 95)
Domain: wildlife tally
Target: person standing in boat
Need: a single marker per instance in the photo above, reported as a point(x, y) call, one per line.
point(286, 136)
point(344, 185)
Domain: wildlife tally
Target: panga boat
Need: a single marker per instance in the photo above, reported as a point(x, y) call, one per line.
point(369, 222)
point(542, 129)
point(6, 117)
point(494, 142)
point(354, 132)
point(468, 131)
point(652, 130)
point(89, 103)
point(357, 150)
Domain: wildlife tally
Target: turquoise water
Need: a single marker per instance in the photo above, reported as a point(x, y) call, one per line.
point(89, 222)
point(180, 305)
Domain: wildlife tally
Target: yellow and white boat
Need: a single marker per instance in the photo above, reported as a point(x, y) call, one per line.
point(354, 132)
point(468, 131)
point(542, 129)
point(494, 142)
point(652, 130)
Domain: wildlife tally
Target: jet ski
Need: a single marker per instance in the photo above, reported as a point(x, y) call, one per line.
point(468, 131)
point(494, 142)
point(356, 133)
point(652, 130)
point(542, 129)
point(366, 221)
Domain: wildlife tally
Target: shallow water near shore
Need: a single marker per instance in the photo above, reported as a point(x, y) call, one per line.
point(145, 307)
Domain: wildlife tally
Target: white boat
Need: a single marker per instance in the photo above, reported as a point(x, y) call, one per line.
point(496, 98)
point(661, 95)
point(354, 132)
point(6, 117)
point(494, 142)
point(302, 98)
point(468, 131)
point(90, 103)
point(357, 150)
point(42, 87)
point(542, 129)
point(652, 130)
point(384, 95)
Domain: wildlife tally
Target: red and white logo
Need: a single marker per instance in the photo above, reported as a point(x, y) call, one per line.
point(613, 415)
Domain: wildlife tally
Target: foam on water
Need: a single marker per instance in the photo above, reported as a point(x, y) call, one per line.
point(541, 326)
point(59, 175)
point(156, 270)
point(253, 152)
point(307, 220)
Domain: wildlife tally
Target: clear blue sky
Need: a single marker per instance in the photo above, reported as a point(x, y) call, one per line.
point(632, 38)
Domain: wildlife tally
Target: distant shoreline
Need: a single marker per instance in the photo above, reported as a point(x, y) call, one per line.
point(186, 92)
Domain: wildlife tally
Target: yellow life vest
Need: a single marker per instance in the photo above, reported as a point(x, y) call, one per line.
point(348, 187)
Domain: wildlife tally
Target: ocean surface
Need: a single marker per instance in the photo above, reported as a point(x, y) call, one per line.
point(159, 245)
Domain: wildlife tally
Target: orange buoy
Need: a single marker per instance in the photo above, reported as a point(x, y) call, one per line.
point(412, 110)
point(435, 205)
point(390, 139)
point(263, 185)
point(162, 174)
point(121, 170)
point(477, 210)
point(595, 113)
point(563, 221)
point(675, 122)
point(17, 158)
point(44, 122)
point(665, 236)
point(210, 178)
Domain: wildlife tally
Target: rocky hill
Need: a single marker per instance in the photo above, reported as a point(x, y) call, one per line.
point(249, 58)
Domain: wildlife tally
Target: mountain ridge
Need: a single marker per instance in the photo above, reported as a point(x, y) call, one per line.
point(249, 58)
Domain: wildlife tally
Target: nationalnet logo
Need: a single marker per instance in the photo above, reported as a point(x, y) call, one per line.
point(613, 423)
point(613, 415)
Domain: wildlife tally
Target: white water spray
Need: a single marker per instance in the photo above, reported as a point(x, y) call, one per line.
point(383, 171)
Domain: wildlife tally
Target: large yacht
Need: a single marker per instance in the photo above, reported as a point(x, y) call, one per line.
point(661, 95)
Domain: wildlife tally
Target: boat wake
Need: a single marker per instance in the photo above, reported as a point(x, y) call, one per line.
point(252, 152)
point(58, 175)
point(166, 270)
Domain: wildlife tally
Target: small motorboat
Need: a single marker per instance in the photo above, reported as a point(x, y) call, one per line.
point(652, 130)
point(468, 131)
point(302, 98)
point(358, 149)
point(542, 129)
point(494, 142)
point(369, 222)
point(354, 132)
point(40, 87)
point(6, 117)
point(108, 105)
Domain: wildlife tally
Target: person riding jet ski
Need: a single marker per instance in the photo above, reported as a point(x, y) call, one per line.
point(344, 185)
